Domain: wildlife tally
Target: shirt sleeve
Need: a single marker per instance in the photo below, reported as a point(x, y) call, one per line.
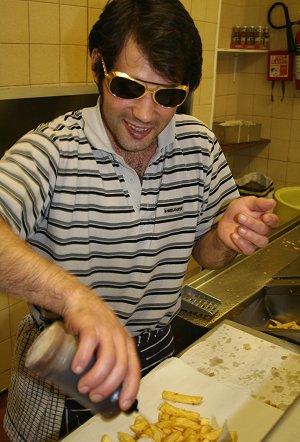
point(27, 176)
point(219, 189)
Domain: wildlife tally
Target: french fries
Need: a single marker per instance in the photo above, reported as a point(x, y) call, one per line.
point(182, 398)
point(140, 425)
point(105, 438)
point(292, 325)
point(179, 412)
point(125, 437)
point(174, 424)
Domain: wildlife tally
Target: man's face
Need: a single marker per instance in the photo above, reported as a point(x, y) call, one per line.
point(133, 125)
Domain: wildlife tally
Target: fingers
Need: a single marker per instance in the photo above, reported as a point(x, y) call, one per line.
point(270, 219)
point(248, 241)
point(95, 381)
point(248, 224)
point(108, 371)
point(261, 223)
point(132, 380)
point(103, 339)
point(260, 204)
point(85, 351)
point(243, 246)
point(253, 233)
point(127, 375)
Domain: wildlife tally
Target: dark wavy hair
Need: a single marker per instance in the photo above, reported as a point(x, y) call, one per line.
point(162, 28)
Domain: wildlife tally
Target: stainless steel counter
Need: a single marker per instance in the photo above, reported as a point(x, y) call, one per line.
point(240, 283)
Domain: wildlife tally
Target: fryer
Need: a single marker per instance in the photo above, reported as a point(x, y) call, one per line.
point(279, 300)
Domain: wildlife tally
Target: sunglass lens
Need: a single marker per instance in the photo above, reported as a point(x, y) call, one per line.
point(170, 97)
point(125, 88)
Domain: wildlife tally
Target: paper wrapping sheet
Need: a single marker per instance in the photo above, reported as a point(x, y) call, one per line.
point(260, 368)
point(251, 418)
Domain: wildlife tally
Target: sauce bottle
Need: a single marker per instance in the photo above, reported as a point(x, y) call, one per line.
point(50, 357)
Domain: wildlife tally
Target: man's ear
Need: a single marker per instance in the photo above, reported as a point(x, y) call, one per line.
point(96, 63)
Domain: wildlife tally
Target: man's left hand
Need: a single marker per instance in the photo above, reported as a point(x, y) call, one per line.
point(247, 223)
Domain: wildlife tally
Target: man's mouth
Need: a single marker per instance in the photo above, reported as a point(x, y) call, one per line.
point(138, 131)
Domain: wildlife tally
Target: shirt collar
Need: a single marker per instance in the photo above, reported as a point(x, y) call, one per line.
point(94, 128)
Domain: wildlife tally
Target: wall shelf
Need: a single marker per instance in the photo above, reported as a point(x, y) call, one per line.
point(228, 148)
point(237, 53)
point(12, 93)
point(243, 51)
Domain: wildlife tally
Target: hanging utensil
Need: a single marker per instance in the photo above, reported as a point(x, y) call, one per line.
point(287, 25)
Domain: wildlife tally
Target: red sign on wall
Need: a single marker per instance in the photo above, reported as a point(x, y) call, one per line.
point(280, 65)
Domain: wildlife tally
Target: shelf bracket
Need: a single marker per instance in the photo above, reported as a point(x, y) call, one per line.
point(235, 65)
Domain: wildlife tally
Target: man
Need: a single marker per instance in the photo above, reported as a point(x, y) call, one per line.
point(102, 208)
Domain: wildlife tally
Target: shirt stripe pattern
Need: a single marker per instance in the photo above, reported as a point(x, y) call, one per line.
point(78, 204)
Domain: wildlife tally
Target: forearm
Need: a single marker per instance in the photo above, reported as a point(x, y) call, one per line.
point(29, 276)
point(211, 253)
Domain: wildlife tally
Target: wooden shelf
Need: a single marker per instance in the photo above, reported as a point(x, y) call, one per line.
point(228, 148)
point(237, 53)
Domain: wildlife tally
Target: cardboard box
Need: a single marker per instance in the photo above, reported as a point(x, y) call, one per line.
point(238, 131)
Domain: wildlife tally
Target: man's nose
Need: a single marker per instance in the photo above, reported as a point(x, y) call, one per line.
point(144, 107)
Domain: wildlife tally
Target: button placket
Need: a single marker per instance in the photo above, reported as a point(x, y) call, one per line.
point(132, 185)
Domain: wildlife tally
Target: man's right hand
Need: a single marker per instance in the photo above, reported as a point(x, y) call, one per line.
point(101, 333)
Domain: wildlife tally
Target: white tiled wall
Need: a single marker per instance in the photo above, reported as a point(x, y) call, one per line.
point(205, 14)
point(43, 44)
point(249, 96)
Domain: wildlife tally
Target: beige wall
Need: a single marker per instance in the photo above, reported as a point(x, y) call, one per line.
point(205, 14)
point(43, 43)
point(43, 46)
point(249, 97)
point(43, 50)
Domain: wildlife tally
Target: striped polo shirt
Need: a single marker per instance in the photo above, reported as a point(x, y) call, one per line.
point(77, 202)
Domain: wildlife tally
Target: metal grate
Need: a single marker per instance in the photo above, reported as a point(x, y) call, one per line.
point(197, 302)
